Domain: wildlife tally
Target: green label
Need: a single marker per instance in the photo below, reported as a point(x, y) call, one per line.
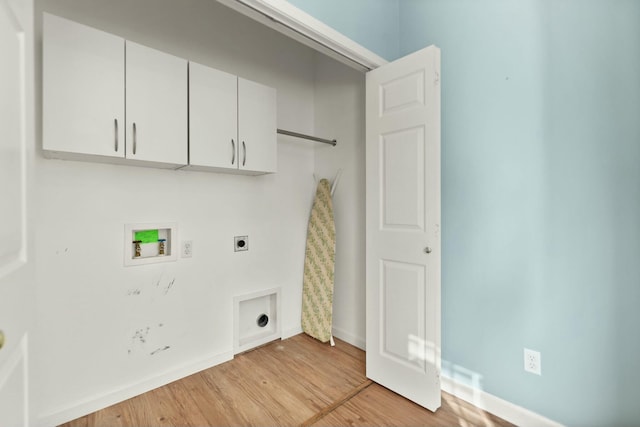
point(147, 236)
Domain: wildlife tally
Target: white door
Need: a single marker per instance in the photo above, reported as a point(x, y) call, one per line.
point(157, 106)
point(16, 267)
point(258, 149)
point(83, 89)
point(213, 118)
point(403, 226)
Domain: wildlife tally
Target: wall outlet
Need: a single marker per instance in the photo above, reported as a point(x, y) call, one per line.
point(187, 249)
point(532, 361)
point(241, 243)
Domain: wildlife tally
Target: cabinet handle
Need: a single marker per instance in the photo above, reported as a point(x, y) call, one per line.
point(244, 151)
point(135, 139)
point(115, 123)
point(233, 151)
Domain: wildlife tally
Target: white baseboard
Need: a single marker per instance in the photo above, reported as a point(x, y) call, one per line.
point(350, 338)
point(501, 408)
point(87, 406)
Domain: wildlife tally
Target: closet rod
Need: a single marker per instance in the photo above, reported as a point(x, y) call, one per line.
point(312, 138)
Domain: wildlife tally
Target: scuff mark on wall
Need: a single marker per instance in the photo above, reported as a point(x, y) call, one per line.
point(164, 288)
point(158, 350)
point(141, 335)
point(147, 302)
point(169, 286)
point(139, 339)
point(143, 338)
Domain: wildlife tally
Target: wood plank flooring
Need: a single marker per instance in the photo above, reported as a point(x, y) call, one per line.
point(295, 382)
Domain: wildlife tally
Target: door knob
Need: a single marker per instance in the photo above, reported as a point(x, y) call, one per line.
point(427, 250)
point(1, 340)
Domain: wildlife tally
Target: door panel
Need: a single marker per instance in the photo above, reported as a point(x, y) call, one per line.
point(403, 223)
point(16, 267)
point(11, 80)
point(14, 402)
point(403, 310)
point(402, 189)
point(402, 93)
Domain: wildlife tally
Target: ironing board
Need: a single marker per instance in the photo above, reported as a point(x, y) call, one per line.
point(317, 289)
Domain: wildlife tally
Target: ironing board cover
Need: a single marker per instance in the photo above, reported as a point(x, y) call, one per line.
point(317, 290)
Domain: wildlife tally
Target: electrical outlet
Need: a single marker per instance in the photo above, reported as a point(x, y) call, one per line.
point(532, 361)
point(187, 249)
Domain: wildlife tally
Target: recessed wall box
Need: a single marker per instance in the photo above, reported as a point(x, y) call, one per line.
point(256, 319)
point(150, 243)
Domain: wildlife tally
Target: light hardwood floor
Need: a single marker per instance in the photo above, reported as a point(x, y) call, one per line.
point(295, 382)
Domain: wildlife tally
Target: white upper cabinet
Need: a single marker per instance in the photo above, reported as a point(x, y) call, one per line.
point(177, 113)
point(86, 86)
point(257, 150)
point(232, 123)
point(83, 89)
point(213, 118)
point(156, 106)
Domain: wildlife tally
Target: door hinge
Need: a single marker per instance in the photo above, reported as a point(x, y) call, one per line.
point(436, 80)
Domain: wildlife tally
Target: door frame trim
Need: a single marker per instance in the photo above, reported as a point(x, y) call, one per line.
point(302, 27)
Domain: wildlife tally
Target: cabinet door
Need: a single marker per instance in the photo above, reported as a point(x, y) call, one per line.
point(83, 89)
point(156, 106)
point(213, 118)
point(257, 127)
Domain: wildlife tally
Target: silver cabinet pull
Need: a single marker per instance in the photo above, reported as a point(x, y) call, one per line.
point(233, 151)
point(427, 250)
point(244, 151)
point(115, 124)
point(135, 139)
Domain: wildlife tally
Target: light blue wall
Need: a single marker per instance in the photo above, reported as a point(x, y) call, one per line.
point(371, 23)
point(541, 193)
point(541, 198)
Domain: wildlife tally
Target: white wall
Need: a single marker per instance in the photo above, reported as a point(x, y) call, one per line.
point(339, 105)
point(98, 321)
